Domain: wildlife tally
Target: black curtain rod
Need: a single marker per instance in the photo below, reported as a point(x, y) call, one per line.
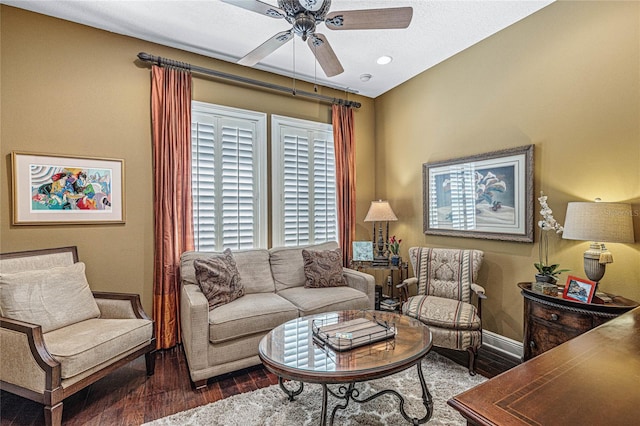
point(160, 61)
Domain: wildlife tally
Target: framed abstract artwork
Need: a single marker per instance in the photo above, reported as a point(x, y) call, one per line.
point(486, 196)
point(50, 189)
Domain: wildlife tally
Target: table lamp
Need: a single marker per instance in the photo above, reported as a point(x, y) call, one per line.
point(599, 223)
point(380, 211)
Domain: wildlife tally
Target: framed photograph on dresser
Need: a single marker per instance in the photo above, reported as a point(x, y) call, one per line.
point(579, 289)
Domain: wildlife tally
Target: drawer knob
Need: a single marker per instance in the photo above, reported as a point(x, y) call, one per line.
point(554, 317)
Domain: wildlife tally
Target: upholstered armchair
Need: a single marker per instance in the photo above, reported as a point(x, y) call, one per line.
point(446, 280)
point(56, 335)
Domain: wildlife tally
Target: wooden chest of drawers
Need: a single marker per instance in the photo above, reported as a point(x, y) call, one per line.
point(550, 321)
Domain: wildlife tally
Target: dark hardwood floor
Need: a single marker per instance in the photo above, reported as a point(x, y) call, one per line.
point(128, 397)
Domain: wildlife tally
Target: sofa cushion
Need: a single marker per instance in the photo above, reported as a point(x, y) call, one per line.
point(287, 264)
point(255, 271)
point(219, 279)
point(78, 347)
point(253, 313)
point(52, 298)
point(253, 267)
point(442, 312)
point(323, 268)
point(318, 300)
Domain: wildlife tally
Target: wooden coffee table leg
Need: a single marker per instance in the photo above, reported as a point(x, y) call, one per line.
point(291, 393)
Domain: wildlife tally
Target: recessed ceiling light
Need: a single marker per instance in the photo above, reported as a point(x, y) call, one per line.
point(365, 77)
point(384, 60)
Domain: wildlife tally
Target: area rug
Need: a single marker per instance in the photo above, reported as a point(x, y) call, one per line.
point(270, 406)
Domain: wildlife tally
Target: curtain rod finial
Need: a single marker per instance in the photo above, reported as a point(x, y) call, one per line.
point(145, 56)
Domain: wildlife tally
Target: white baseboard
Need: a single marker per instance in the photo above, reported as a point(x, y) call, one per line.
point(503, 344)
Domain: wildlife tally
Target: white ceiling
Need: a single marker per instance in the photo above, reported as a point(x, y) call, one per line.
point(439, 30)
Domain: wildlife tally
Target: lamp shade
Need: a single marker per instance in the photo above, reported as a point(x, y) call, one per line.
point(599, 222)
point(380, 211)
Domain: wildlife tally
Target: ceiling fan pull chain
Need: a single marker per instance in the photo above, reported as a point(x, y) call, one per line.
point(294, 67)
point(315, 70)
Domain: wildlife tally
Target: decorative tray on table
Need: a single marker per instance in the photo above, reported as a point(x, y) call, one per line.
point(353, 333)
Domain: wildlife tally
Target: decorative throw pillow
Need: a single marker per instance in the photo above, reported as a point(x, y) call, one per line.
point(52, 298)
point(323, 268)
point(219, 279)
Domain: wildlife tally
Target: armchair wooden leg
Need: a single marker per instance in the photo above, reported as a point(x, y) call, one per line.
point(150, 361)
point(200, 384)
point(53, 415)
point(473, 353)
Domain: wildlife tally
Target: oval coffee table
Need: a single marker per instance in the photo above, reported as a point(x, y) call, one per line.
point(291, 352)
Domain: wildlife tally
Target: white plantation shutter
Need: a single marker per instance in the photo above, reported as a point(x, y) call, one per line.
point(324, 178)
point(228, 175)
point(304, 182)
point(295, 195)
point(203, 184)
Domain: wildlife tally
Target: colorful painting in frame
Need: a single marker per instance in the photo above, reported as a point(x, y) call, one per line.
point(50, 189)
point(486, 196)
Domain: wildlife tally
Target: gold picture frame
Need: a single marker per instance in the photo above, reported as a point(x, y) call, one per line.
point(54, 189)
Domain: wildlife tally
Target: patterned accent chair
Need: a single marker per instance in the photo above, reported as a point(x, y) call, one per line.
point(446, 279)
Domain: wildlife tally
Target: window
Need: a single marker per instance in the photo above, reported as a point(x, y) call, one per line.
point(304, 182)
point(228, 175)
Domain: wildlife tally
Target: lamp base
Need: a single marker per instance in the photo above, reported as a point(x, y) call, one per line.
point(595, 262)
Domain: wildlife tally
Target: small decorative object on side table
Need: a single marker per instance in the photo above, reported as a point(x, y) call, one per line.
point(547, 275)
point(402, 271)
point(552, 320)
point(394, 247)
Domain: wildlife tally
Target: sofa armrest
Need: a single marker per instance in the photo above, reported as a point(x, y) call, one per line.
point(119, 305)
point(194, 320)
point(366, 283)
point(28, 368)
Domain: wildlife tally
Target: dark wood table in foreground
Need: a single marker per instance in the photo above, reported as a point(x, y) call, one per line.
point(291, 352)
point(593, 379)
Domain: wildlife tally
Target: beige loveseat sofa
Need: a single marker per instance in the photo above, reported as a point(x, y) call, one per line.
point(226, 338)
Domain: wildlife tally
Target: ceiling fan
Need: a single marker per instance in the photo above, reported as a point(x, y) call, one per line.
point(305, 15)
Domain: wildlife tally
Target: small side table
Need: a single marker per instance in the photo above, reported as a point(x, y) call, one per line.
point(401, 272)
point(551, 320)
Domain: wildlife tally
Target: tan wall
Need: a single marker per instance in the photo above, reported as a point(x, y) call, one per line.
point(566, 79)
point(75, 90)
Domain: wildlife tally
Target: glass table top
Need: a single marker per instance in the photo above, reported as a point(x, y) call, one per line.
point(292, 346)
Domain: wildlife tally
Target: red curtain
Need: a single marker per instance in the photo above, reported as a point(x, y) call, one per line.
point(345, 147)
point(171, 126)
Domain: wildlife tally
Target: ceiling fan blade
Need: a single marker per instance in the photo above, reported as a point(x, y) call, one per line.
point(266, 48)
point(258, 7)
point(325, 55)
point(394, 17)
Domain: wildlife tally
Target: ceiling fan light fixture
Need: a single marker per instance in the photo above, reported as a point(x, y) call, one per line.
point(305, 15)
point(384, 60)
